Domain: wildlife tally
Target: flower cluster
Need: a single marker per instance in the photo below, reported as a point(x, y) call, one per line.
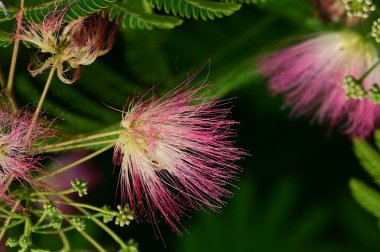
point(175, 154)
point(325, 75)
point(18, 136)
point(70, 45)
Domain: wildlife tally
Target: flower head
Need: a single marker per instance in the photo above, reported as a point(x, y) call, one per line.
point(17, 139)
point(68, 46)
point(331, 75)
point(175, 154)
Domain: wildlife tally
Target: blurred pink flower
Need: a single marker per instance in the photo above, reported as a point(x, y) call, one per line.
point(70, 45)
point(87, 171)
point(17, 139)
point(311, 76)
point(175, 155)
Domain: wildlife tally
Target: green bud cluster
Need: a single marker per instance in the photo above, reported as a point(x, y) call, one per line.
point(12, 242)
point(107, 217)
point(359, 8)
point(24, 242)
point(56, 222)
point(132, 246)
point(50, 208)
point(78, 223)
point(355, 91)
point(79, 186)
point(374, 94)
point(124, 216)
point(353, 88)
point(376, 30)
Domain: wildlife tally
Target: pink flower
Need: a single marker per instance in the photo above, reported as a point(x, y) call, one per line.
point(69, 45)
point(311, 76)
point(17, 139)
point(175, 155)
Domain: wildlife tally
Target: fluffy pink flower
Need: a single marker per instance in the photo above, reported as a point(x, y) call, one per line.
point(17, 139)
point(175, 155)
point(311, 76)
point(70, 45)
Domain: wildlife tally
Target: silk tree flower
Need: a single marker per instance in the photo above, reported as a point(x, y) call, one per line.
point(175, 155)
point(17, 138)
point(68, 46)
point(329, 75)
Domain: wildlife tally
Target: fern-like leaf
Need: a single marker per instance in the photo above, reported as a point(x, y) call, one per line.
point(248, 1)
point(196, 8)
point(367, 197)
point(5, 39)
point(129, 16)
point(368, 157)
point(76, 9)
point(9, 15)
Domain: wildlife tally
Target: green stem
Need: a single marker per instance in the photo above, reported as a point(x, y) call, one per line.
point(65, 242)
point(12, 225)
point(83, 233)
point(53, 193)
point(91, 240)
point(79, 161)
point(12, 68)
point(42, 98)
point(365, 75)
point(27, 227)
point(100, 224)
point(55, 231)
point(8, 220)
point(2, 81)
point(40, 220)
point(79, 140)
point(71, 147)
point(76, 204)
point(4, 216)
point(14, 215)
point(38, 212)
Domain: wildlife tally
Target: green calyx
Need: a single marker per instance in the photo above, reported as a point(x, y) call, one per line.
point(359, 8)
point(353, 88)
point(125, 216)
point(374, 94)
point(79, 186)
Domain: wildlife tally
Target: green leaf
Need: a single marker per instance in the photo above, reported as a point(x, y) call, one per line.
point(11, 14)
point(368, 157)
point(368, 198)
point(76, 9)
point(130, 16)
point(84, 8)
point(5, 38)
point(248, 1)
point(196, 8)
